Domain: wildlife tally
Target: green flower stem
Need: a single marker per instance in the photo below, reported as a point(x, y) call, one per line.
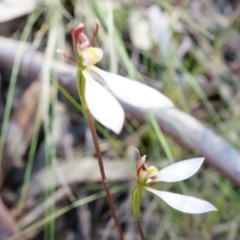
point(136, 205)
point(136, 201)
point(81, 84)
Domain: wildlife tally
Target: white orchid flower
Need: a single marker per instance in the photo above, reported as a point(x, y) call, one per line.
point(102, 103)
point(147, 176)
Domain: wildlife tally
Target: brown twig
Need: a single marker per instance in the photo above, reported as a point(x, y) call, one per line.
point(182, 127)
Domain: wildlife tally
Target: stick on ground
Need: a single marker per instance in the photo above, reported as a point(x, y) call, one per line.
point(182, 127)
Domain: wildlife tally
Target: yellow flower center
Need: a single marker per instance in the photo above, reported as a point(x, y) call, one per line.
point(91, 56)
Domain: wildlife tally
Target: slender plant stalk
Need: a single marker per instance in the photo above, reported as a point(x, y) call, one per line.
point(102, 170)
point(136, 205)
point(81, 82)
point(139, 225)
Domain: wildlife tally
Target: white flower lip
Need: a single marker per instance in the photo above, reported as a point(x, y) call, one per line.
point(177, 172)
point(183, 203)
point(104, 106)
point(181, 170)
point(133, 92)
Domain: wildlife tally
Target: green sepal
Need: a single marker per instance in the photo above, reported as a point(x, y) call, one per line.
point(136, 201)
point(81, 85)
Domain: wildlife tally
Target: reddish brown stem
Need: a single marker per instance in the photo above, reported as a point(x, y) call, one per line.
point(102, 170)
point(140, 229)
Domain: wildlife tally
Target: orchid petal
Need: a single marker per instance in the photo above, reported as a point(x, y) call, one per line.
point(103, 106)
point(183, 203)
point(132, 92)
point(181, 170)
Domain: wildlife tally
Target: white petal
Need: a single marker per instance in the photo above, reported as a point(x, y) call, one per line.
point(133, 92)
point(181, 170)
point(183, 203)
point(103, 106)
